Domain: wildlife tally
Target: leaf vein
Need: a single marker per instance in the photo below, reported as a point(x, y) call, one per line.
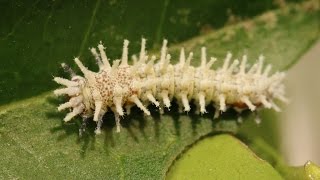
point(85, 38)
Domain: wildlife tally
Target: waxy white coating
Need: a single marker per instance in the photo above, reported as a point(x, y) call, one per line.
point(148, 82)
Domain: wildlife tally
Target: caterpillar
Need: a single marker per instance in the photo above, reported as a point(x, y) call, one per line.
point(121, 86)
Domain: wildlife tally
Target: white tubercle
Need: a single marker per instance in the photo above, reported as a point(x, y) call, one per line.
point(156, 81)
point(103, 56)
point(124, 59)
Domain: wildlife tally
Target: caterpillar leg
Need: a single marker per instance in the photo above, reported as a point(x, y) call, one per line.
point(99, 125)
point(185, 102)
point(216, 113)
point(98, 111)
point(202, 103)
point(68, 69)
point(222, 103)
point(98, 114)
point(239, 117)
point(257, 118)
point(83, 126)
point(166, 99)
point(117, 119)
point(128, 109)
point(197, 111)
point(161, 109)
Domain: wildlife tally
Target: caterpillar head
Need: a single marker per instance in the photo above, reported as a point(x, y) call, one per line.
point(75, 89)
point(79, 80)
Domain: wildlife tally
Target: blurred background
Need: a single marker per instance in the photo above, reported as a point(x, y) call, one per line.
point(301, 119)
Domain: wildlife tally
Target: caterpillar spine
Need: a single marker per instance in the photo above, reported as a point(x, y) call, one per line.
point(147, 82)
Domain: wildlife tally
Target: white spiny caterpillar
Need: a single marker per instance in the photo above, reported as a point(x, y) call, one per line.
point(144, 82)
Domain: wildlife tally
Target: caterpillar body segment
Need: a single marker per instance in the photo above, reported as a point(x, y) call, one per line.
point(147, 81)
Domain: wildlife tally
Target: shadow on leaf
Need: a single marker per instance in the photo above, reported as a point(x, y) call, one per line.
point(139, 127)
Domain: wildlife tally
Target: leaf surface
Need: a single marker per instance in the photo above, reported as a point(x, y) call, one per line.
point(221, 157)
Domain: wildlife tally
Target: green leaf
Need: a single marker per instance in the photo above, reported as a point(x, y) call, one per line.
point(262, 149)
point(35, 143)
point(221, 157)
